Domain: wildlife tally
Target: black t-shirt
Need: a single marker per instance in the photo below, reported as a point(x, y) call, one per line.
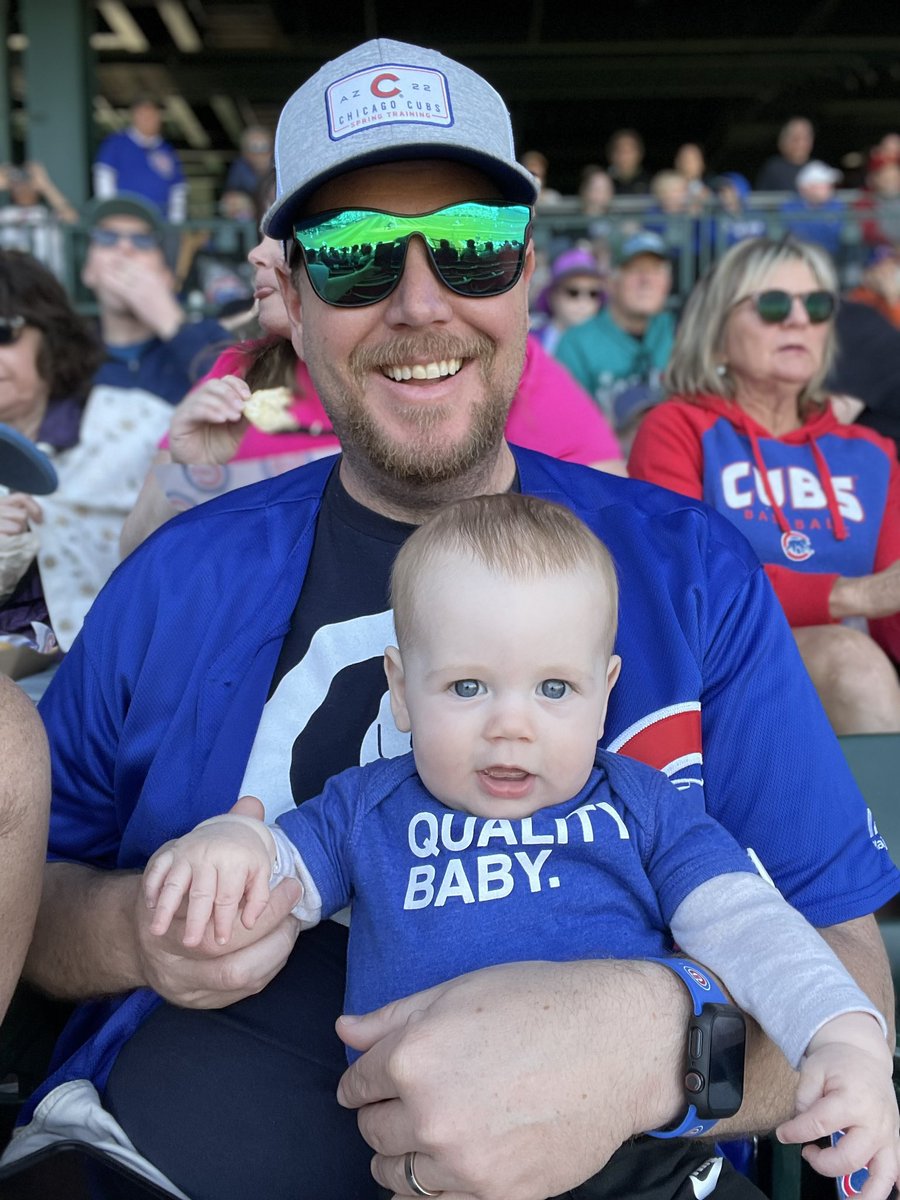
point(328, 697)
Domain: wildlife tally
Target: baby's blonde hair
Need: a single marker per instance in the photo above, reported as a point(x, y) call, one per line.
point(516, 535)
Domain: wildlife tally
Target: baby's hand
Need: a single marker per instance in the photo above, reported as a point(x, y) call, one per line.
point(222, 862)
point(845, 1084)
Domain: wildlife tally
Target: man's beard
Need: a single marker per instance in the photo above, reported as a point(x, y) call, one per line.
point(428, 458)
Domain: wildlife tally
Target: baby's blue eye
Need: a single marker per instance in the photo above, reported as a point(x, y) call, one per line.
point(466, 688)
point(554, 689)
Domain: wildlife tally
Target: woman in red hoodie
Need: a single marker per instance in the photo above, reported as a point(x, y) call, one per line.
point(748, 428)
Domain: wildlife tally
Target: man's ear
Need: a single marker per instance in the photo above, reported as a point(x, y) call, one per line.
point(393, 669)
point(528, 269)
point(292, 304)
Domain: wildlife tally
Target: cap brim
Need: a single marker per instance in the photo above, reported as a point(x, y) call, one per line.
point(23, 467)
point(516, 184)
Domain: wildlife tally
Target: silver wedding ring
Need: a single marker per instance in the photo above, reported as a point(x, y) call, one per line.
point(409, 1170)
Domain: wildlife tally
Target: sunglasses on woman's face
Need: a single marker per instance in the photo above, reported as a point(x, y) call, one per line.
point(355, 256)
point(774, 305)
point(10, 329)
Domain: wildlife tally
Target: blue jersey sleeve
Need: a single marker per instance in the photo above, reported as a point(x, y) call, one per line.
point(774, 772)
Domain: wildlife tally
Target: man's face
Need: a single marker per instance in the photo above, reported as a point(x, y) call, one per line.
point(146, 119)
point(122, 248)
point(641, 286)
point(626, 154)
point(796, 141)
point(400, 435)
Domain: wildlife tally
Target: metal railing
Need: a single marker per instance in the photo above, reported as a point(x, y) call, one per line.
point(694, 241)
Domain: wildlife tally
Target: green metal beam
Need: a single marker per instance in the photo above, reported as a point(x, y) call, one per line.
point(58, 91)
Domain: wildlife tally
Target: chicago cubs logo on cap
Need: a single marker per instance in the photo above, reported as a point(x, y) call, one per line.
point(700, 980)
point(388, 92)
point(796, 546)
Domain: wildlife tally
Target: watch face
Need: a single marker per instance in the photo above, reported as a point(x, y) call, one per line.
point(726, 1065)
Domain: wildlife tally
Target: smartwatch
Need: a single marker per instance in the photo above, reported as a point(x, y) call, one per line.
point(714, 1059)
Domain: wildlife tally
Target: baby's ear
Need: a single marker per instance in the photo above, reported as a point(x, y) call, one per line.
point(393, 669)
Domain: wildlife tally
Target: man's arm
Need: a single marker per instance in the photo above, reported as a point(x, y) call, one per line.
point(583, 1055)
point(518, 1082)
point(24, 804)
point(93, 938)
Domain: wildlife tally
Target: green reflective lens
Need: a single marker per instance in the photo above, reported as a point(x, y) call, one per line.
point(774, 306)
point(355, 256)
point(819, 306)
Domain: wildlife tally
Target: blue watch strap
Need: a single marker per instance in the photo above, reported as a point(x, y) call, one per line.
point(703, 990)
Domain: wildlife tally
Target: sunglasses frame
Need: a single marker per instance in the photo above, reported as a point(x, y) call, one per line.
point(804, 297)
point(404, 238)
point(11, 329)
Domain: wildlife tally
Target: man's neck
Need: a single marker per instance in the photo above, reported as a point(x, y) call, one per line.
point(413, 504)
point(633, 323)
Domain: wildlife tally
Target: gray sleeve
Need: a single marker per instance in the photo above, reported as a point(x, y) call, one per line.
point(772, 961)
point(289, 865)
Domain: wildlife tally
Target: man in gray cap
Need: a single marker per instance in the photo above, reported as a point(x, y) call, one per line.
point(238, 653)
point(618, 356)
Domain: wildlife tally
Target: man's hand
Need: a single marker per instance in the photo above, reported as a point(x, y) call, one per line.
point(210, 975)
point(207, 426)
point(143, 285)
point(516, 1082)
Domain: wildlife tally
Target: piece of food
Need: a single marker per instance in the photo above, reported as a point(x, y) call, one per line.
point(269, 410)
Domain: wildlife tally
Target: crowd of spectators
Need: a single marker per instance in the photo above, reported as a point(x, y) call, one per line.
point(616, 262)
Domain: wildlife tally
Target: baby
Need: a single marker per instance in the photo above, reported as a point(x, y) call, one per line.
point(508, 835)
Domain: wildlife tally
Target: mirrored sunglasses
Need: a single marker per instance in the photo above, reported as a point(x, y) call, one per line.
point(774, 305)
point(112, 237)
point(11, 329)
point(355, 256)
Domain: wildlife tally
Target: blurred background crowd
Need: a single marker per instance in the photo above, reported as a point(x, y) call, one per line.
point(131, 334)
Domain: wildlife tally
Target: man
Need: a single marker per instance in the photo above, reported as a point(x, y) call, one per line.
point(625, 158)
point(254, 162)
point(240, 651)
point(150, 344)
point(138, 160)
point(795, 143)
point(619, 355)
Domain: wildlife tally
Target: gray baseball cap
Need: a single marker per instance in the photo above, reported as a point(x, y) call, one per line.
point(381, 102)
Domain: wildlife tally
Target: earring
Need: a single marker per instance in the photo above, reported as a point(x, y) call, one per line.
point(722, 370)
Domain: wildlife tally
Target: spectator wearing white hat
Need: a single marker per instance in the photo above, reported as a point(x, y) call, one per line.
point(816, 214)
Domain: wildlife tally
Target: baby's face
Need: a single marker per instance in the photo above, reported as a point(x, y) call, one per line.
point(504, 685)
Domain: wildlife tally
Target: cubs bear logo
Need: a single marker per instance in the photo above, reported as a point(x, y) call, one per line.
point(796, 546)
